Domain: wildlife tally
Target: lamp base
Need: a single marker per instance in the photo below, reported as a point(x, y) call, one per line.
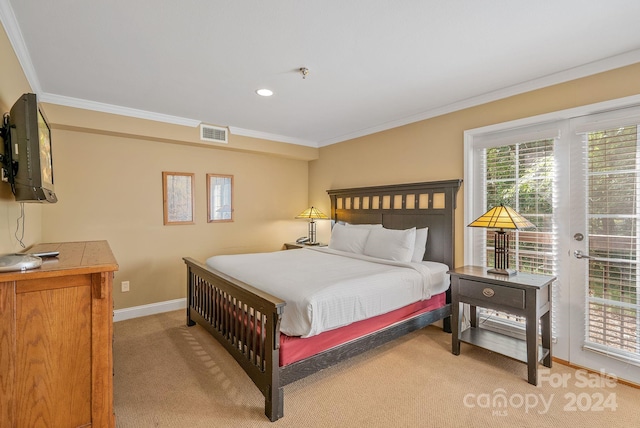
point(505, 272)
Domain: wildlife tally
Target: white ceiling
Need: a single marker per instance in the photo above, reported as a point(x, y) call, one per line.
point(373, 64)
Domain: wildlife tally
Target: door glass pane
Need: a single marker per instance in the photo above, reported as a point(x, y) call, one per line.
point(613, 180)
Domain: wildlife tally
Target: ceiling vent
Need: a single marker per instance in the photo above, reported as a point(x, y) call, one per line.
point(213, 134)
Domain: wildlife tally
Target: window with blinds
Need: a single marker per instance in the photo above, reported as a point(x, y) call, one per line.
point(613, 188)
point(522, 175)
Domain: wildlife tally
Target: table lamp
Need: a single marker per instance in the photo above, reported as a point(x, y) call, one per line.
point(312, 213)
point(501, 217)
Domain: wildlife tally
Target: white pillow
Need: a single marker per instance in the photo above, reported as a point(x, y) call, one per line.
point(351, 239)
point(391, 244)
point(421, 244)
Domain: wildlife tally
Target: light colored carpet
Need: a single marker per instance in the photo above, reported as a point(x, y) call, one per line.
point(170, 375)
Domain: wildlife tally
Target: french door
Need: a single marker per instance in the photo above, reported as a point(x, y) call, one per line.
point(605, 244)
point(578, 180)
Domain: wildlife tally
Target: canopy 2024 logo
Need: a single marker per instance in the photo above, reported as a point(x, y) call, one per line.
point(499, 401)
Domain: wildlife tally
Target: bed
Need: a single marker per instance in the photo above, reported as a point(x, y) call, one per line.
point(247, 321)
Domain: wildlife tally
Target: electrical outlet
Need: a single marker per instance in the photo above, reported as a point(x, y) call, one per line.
point(125, 286)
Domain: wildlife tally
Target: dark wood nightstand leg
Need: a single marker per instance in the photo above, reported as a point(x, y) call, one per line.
point(545, 325)
point(473, 315)
point(532, 336)
point(456, 308)
point(545, 328)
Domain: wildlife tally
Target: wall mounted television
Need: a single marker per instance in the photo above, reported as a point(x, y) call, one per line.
point(27, 159)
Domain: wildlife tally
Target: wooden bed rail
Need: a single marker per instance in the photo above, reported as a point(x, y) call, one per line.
point(245, 320)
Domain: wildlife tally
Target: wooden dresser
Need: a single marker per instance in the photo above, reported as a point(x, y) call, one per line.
point(56, 330)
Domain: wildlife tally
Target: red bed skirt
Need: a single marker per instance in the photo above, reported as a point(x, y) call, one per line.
point(293, 348)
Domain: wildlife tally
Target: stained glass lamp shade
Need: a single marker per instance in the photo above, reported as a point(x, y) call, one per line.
point(502, 217)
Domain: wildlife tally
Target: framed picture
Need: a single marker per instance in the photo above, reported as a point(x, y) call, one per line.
point(178, 197)
point(219, 198)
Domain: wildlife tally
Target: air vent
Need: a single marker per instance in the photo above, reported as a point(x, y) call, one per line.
point(213, 134)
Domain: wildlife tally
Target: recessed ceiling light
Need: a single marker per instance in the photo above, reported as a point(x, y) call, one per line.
point(264, 92)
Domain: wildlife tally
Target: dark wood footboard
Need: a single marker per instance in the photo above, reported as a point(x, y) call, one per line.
point(245, 320)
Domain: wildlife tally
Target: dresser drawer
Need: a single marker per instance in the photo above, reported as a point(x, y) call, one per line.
point(496, 294)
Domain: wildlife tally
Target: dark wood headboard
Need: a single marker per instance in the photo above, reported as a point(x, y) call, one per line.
point(402, 206)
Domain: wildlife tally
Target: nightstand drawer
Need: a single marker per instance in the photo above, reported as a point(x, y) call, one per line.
point(498, 295)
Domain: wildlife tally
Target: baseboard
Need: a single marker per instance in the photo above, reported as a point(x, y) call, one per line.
point(150, 309)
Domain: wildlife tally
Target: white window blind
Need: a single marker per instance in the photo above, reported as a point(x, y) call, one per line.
point(612, 321)
point(522, 175)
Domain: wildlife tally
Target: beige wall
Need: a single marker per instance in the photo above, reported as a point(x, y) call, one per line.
point(433, 149)
point(111, 188)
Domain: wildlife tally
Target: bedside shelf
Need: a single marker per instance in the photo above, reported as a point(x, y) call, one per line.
point(511, 347)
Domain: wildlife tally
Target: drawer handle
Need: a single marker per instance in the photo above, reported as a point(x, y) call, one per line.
point(488, 292)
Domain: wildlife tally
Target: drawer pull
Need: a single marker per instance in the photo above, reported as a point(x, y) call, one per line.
point(488, 292)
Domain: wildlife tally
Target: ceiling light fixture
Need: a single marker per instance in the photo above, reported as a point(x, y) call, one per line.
point(304, 71)
point(264, 92)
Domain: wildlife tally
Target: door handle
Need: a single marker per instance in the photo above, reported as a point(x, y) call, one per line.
point(580, 255)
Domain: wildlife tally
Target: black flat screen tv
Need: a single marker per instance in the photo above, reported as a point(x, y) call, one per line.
point(30, 139)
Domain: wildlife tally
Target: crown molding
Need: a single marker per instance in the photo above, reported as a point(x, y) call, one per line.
point(585, 70)
point(272, 137)
point(113, 109)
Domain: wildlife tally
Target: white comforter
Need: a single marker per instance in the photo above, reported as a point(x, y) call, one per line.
point(326, 289)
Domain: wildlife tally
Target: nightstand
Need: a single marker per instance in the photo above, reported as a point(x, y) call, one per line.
point(295, 245)
point(524, 294)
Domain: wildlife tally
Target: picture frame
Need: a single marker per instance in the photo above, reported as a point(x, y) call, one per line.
point(178, 198)
point(219, 198)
